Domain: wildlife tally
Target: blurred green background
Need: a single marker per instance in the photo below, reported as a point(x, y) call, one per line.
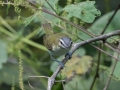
point(22, 53)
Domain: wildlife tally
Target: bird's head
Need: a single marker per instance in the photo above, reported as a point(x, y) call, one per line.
point(65, 42)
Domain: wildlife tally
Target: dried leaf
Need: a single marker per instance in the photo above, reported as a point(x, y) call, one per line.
point(77, 65)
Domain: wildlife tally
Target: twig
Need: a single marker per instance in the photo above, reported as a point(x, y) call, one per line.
point(35, 77)
point(103, 51)
point(97, 69)
point(75, 46)
point(51, 6)
point(111, 18)
point(112, 71)
point(108, 44)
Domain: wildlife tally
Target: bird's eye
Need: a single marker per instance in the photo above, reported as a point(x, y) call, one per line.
point(61, 42)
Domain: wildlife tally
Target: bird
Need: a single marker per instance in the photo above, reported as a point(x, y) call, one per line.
point(58, 44)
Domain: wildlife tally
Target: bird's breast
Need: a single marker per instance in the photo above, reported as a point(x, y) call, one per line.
point(57, 51)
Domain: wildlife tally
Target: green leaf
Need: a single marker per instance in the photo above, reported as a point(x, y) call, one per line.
point(52, 3)
point(83, 35)
point(85, 11)
point(113, 85)
point(99, 25)
point(79, 83)
point(8, 6)
point(117, 69)
point(7, 73)
point(3, 53)
point(30, 19)
point(51, 18)
point(80, 52)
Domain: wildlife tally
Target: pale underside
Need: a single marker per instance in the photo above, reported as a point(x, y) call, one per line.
point(57, 51)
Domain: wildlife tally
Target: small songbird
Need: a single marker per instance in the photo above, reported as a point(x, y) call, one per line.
point(58, 44)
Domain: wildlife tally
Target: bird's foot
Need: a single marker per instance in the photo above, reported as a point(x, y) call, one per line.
point(69, 54)
point(60, 63)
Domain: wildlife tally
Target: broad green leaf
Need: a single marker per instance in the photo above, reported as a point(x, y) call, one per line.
point(99, 25)
point(3, 53)
point(7, 73)
point(79, 83)
point(85, 11)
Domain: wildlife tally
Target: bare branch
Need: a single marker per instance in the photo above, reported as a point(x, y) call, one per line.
point(35, 77)
point(73, 49)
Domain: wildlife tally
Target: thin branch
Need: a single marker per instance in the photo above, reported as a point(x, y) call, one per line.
point(99, 53)
point(75, 46)
point(112, 71)
point(101, 50)
point(51, 6)
point(97, 69)
point(111, 18)
point(35, 77)
point(104, 51)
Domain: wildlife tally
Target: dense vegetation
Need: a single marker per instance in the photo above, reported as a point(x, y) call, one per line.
point(22, 53)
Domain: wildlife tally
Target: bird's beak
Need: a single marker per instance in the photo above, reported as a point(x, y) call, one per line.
point(67, 48)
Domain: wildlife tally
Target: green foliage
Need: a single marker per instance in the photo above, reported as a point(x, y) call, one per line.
point(79, 83)
point(85, 11)
point(13, 85)
point(98, 26)
point(29, 19)
point(7, 73)
point(3, 53)
point(27, 34)
point(116, 75)
point(53, 3)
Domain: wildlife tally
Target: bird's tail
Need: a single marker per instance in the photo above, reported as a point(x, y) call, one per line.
point(48, 29)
